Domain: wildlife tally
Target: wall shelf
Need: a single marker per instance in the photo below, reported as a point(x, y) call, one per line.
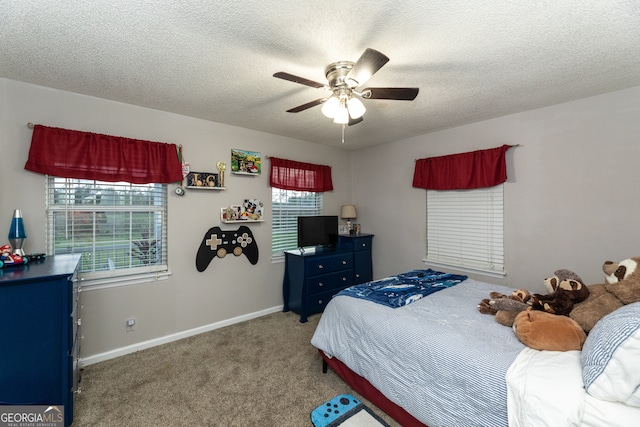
point(192, 187)
point(241, 220)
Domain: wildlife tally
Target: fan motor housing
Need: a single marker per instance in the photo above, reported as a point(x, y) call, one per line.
point(337, 72)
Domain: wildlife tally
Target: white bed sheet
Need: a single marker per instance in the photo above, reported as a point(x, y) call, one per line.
point(545, 389)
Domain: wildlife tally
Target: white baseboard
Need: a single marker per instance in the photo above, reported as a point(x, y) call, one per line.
point(101, 357)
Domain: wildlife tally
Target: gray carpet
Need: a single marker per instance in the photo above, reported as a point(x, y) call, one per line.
point(263, 372)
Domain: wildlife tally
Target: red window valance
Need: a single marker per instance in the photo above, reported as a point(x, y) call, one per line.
point(464, 171)
point(75, 154)
point(299, 176)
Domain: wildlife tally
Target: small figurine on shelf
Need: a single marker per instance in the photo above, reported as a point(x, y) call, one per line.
point(221, 167)
point(7, 258)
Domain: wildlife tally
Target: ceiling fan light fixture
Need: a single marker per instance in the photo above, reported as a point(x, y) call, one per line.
point(344, 79)
point(330, 107)
point(356, 108)
point(342, 114)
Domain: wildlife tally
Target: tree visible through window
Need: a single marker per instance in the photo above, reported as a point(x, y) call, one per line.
point(287, 206)
point(120, 228)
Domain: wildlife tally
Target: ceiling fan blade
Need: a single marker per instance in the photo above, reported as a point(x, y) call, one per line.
point(307, 105)
point(366, 66)
point(355, 121)
point(396, 93)
point(296, 79)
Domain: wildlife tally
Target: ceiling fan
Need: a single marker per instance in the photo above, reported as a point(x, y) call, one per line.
point(344, 78)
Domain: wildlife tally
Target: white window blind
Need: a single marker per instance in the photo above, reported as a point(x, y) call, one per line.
point(286, 207)
point(120, 228)
point(465, 228)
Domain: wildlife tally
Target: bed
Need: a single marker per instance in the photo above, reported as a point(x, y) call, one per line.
point(438, 361)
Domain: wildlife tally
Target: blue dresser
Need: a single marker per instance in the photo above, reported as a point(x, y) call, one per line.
point(311, 278)
point(39, 330)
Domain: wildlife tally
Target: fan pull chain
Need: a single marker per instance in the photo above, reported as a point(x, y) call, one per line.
point(343, 125)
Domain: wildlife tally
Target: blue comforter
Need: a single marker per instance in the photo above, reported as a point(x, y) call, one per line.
point(405, 288)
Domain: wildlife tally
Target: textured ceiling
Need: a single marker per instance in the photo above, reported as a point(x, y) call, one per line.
point(471, 59)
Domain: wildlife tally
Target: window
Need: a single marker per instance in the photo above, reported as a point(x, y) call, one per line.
point(465, 229)
point(287, 206)
point(121, 228)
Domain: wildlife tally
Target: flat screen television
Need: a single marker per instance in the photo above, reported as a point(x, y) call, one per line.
point(321, 230)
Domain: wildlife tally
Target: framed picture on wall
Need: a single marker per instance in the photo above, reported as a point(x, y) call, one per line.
point(245, 162)
point(202, 180)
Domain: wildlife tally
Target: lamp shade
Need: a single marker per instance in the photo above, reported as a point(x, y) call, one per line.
point(330, 107)
point(348, 212)
point(356, 108)
point(342, 114)
point(16, 231)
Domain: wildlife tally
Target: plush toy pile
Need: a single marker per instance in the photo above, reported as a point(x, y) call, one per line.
point(561, 319)
point(505, 307)
point(622, 287)
point(545, 331)
point(565, 288)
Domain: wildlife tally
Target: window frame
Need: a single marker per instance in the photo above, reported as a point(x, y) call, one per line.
point(153, 245)
point(284, 218)
point(453, 216)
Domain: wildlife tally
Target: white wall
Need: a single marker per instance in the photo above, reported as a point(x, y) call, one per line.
point(229, 287)
point(571, 199)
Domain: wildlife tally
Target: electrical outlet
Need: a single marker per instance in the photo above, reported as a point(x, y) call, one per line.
point(130, 325)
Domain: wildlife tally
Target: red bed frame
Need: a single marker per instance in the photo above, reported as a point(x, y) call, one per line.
point(364, 387)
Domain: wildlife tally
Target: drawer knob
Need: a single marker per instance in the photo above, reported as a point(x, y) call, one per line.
point(78, 322)
point(321, 284)
point(344, 262)
point(357, 275)
point(319, 301)
point(320, 266)
point(364, 245)
point(344, 279)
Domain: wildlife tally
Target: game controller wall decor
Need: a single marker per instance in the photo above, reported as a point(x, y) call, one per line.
point(218, 243)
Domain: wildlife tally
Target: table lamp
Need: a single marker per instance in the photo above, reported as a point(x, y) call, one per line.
point(17, 233)
point(348, 212)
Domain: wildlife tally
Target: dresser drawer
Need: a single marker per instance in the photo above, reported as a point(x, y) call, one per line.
point(356, 243)
point(342, 262)
point(321, 283)
point(319, 265)
point(342, 279)
point(316, 303)
point(326, 282)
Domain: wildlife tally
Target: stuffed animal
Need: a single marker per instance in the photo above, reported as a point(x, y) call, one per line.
point(565, 288)
point(505, 307)
point(545, 331)
point(622, 287)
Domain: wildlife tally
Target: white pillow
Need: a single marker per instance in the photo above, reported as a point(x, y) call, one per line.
point(611, 357)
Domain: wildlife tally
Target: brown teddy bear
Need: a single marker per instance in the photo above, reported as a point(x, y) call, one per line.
point(505, 307)
point(622, 287)
point(565, 288)
point(545, 331)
